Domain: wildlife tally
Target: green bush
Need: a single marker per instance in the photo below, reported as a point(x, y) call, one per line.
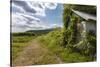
point(88, 45)
point(53, 41)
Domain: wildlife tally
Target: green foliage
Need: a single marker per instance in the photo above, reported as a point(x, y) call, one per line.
point(73, 29)
point(88, 45)
point(64, 43)
point(75, 51)
point(50, 38)
point(69, 57)
point(70, 34)
point(21, 39)
point(54, 40)
point(23, 34)
point(40, 32)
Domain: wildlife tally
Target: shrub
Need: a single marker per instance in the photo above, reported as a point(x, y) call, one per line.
point(88, 45)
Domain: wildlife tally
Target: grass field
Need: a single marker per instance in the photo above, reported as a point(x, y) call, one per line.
point(44, 49)
point(32, 51)
point(52, 41)
point(18, 43)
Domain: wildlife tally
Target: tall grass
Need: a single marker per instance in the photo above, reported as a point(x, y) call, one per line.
point(53, 41)
point(19, 41)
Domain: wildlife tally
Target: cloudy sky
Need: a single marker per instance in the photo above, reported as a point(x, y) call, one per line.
point(30, 15)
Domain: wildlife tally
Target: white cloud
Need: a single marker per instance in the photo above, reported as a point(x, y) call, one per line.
point(51, 5)
point(20, 23)
point(18, 20)
point(29, 17)
point(24, 17)
point(18, 8)
point(39, 7)
point(35, 8)
point(23, 21)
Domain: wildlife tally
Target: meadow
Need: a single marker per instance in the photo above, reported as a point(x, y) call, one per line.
point(49, 47)
point(19, 41)
point(70, 44)
point(53, 41)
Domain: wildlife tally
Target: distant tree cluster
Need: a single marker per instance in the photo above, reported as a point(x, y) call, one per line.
point(23, 34)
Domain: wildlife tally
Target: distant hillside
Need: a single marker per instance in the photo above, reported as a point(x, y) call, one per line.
point(44, 31)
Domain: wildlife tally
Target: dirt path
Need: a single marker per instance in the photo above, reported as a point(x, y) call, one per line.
point(36, 54)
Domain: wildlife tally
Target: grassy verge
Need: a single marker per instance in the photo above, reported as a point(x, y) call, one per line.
point(34, 53)
point(53, 40)
point(18, 43)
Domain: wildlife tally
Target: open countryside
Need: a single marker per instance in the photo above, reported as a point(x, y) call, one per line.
point(73, 42)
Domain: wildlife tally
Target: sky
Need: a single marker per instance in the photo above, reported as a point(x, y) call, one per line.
point(30, 15)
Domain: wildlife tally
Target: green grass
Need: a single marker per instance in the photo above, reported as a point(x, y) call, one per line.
point(53, 42)
point(68, 56)
point(22, 39)
point(38, 56)
point(18, 43)
point(17, 48)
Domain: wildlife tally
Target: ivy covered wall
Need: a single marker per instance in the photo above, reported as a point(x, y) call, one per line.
point(72, 33)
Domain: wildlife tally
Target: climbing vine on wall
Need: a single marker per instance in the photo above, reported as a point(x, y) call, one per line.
point(86, 46)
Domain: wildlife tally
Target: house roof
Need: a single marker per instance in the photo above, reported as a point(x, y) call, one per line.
point(84, 15)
